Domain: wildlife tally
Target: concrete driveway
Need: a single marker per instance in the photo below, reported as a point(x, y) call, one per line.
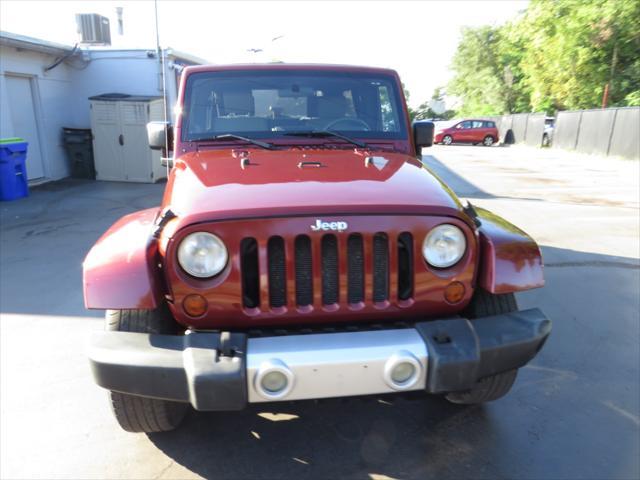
point(573, 413)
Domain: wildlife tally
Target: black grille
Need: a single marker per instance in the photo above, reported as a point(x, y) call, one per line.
point(329, 254)
point(250, 273)
point(355, 269)
point(380, 267)
point(367, 260)
point(405, 266)
point(277, 272)
point(304, 272)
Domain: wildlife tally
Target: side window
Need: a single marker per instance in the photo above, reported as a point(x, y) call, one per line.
point(477, 124)
point(389, 115)
point(489, 125)
point(465, 125)
point(351, 109)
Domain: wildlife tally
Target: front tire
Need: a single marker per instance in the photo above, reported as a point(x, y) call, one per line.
point(491, 388)
point(447, 140)
point(141, 414)
point(488, 141)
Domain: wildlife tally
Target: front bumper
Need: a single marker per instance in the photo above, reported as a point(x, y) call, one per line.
point(224, 371)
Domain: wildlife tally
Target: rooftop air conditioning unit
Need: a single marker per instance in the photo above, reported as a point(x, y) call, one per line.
point(93, 29)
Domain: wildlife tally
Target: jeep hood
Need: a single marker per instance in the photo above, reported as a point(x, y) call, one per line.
point(241, 183)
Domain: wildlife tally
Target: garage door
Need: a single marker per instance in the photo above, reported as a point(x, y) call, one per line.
point(23, 116)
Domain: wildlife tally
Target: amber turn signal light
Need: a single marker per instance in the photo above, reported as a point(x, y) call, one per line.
point(195, 305)
point(454, 292)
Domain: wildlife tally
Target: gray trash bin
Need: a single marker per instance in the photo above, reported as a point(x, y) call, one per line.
point(79, 146)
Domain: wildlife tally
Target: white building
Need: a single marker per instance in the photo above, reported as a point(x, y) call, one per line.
point(45, 86)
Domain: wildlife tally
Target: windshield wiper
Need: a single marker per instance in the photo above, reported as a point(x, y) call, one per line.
point(327, 133)
point(231, 136)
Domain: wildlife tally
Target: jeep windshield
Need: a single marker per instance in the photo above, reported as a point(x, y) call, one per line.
point(293, 104)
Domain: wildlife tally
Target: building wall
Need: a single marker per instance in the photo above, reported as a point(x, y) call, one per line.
point(62, 93)
point(116, 71)
point(52, 93)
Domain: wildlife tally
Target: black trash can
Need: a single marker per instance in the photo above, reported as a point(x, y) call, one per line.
point(79, 146)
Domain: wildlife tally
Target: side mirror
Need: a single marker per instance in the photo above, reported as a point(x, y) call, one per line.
point(160, 135)
point(423, 134)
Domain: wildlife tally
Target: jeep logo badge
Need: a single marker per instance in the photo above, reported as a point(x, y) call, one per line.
point(334, 226)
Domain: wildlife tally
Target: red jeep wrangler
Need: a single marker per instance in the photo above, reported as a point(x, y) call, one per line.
point(303, 251)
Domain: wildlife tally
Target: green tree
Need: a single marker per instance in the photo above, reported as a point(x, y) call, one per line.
point(510, 50)
point(425, 111)
point(558, 54)
point(574, 48)
point(479, 77)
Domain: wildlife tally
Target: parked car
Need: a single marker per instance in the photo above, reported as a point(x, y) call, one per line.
point(303, 251)
point(469, 131)
point(549, 127)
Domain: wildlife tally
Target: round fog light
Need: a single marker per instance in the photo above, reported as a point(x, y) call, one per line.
point(274, 379)
point(402, 372)
point(274, 382)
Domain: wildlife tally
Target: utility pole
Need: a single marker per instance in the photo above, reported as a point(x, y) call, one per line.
point(162, 67)
point(609, 86)
point(605, 95)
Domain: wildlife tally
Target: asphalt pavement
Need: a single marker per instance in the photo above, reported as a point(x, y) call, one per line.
point(574, 412)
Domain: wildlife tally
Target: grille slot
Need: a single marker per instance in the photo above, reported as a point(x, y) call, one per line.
point(288, 269)
point(405, 266)
point(380, 267)
point(304, 271)
point(250, 272)
point(355, 269)
point(329, 252)
point(277, 272)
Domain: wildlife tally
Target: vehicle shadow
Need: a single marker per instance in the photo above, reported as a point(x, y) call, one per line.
point(460, 185)
point(351, 438)
point(537, 431)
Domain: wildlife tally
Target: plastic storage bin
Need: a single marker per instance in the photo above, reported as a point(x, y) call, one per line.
point(13, 171)
point(79, 147)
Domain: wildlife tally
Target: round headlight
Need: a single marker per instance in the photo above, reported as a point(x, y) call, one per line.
point(444, 246)
point(202, 255)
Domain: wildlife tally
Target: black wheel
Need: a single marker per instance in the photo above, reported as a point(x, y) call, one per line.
point(486, 390)
point(490, 388)
point(447, 140)
point(141, 414)
point(484, 304)
point(488, 141)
